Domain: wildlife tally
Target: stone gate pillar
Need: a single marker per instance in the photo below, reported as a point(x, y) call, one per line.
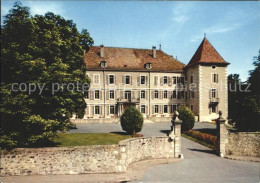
point(175, 135)
point(221, 135)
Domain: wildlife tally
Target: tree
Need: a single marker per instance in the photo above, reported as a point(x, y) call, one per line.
point(255, 76)
point(187, 117)
point(44, 51)
point(244, 106)
point(132, 121)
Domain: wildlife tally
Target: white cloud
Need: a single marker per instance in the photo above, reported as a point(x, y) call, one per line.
point(181, 12)
point(42, 7)
point(221, 28)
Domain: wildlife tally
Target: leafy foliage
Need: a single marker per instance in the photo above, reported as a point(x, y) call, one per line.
point(244, 107)
point(40, 50)
point(187, 117)
point(132, 121)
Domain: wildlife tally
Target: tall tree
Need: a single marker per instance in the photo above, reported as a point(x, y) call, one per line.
point(40, 52)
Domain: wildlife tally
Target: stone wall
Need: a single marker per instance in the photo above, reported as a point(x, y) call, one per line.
point(243, 144)
point(86, 159)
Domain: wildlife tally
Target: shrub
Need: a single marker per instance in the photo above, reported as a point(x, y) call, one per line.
point(131, 121)
point(187, 117)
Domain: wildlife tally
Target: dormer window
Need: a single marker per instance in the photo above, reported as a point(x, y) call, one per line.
point(148, 65)
point(103, 63)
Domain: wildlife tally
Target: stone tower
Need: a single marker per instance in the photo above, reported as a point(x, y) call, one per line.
point(206, 75)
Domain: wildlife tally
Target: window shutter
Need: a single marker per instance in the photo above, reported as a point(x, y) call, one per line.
point(108, 94)
point(160, 94)
point(87, 110)
point(153, 109)
point(131, 80)
point(161, 81)
point(209, 93)
point(138, 80)
point(169, 94)
point(146, 94)
point(160, 109)
point(121, 95)
point(216, 93)
point(168, 80)
point(115, 94)
point(210, 109)
point(153, 94)
point(217, 78)
point(115, 78)
point(132, 94)
point(93, 110)
point(146, 80)
point(101, 111)
point(155, 80)
point(146, 109)
point(91, 94)
point(108, 112)
point(100, 94)
point(107, 78)
point(123, 80)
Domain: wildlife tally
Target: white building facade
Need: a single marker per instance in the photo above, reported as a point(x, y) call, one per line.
point(154, 82)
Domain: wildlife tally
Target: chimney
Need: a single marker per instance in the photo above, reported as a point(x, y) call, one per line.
point(101, 50)
point(154, 51)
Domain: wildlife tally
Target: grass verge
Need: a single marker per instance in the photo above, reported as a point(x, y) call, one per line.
point(85, 139)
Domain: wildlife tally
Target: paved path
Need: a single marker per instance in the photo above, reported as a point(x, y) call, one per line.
point(200, 164)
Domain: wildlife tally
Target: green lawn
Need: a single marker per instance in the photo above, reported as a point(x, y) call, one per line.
point(84, 139)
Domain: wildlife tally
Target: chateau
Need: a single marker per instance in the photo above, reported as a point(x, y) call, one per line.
point(155, 82)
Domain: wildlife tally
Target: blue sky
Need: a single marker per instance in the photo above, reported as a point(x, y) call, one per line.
point(232, 27)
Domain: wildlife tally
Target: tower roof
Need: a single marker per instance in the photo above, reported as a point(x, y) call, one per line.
point(206, 53)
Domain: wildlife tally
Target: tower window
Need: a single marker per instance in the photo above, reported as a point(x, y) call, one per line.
point(215, 78)
point(213, 67)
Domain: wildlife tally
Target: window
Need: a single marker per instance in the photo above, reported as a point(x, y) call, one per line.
point(213, 93)
point(165, 79)
point(191, 107)
point(165, 94)
point(213, 67)
point(215, 78)
point(111, 79)
point(96, 94)
point(156, 109)
point(174, 94)
point(128, 95)
point(181, 80)
point(112, 109)
point(174, 80)
point(155, 80)
point(173, 108)
point(97, 109)
point(148, 65)
point(213, 108)
point(165, 109)
point(142, 80)
point(191, 79)
point(127, 79)
point(96, 78)
point(156, 94)
point(143, 94)
point(192, 94)
point(111, 94)
point(103, 63)
point(142, 108)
